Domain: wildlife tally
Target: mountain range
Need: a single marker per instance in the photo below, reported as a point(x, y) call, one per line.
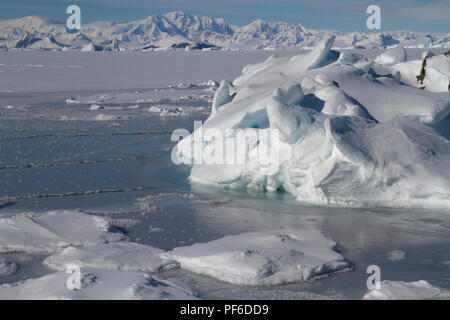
point(180, 30)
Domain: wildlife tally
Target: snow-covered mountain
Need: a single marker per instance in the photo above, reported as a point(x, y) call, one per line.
point(183, 30)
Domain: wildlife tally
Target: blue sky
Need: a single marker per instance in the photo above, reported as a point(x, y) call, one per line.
point(348, 15)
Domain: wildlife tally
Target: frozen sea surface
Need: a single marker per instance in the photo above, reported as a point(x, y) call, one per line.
point(96, 146)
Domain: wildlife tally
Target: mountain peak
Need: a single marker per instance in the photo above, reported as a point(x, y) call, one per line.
point(175, 14)
point(172, 27)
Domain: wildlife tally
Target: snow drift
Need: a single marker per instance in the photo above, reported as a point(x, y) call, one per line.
point(351, 132)
point(126, 256)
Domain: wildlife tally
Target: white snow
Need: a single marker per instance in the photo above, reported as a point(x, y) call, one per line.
point(392, 56)
point(347, 136)
point(7, 268)
point(52, 231)
point(437, 73)
point(95, 284)
point(163, 30)
point(399, 290)
point(396, 255)
point(264, 257)
point(127, 256)
point(108, 71)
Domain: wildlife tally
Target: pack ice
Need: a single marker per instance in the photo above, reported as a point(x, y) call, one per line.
point(95, 283)
point(264, 258)
point(352, 132)
point(400, 290)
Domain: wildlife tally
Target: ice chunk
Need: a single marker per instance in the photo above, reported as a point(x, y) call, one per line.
point(392, 56)
point(322, 54)
point(95, 284)
point(95, 107)
point(396, 255)
point(7, 268)
point(336, 100)
point(349, 58)
point(52, 231)
point(222, 96)
point(437, 74)
point(399, 290)
point(125, 256)
point(264, 257)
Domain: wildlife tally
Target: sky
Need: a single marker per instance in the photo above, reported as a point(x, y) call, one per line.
point(342, 15)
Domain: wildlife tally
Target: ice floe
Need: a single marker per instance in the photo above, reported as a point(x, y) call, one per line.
point(436, 72)
point(264, 257)
point(127, 256)
point(95, 284)
point(52, 231)
point(351, 132)
point(399, 290)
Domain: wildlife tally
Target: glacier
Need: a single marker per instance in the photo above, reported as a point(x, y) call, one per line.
point(352, 132)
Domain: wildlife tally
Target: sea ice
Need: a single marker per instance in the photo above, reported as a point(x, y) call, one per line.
point(7, 268)
point(436, 76)
point(348, 136)
point(127, 256)
point(399, 290)
point(264, 257)
point(52, 231)
point(396, 255)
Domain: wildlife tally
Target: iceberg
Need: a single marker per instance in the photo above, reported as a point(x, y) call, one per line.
point(7, 268)
point(436, 72)
point(264, 257)
point(349, 133)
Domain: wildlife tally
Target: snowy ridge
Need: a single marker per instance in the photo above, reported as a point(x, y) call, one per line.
point(351, 133)
point(180, 30)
